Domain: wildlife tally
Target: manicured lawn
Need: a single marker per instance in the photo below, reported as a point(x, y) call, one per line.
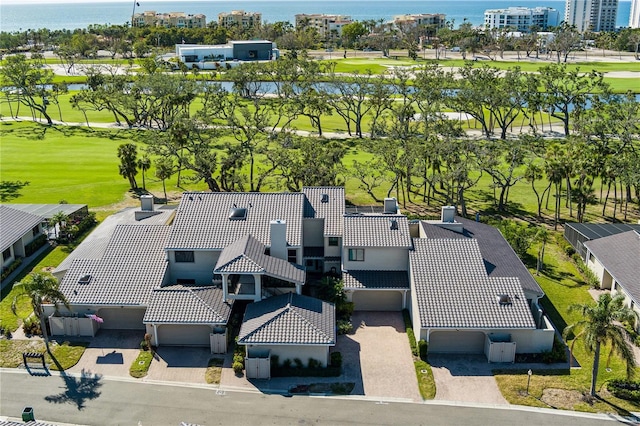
point(426, 383)
point(141, 365)
point(214, 371)
point(66, 354)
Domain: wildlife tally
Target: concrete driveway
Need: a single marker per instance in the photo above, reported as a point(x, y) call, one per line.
point(465, 378)
point(378, 352)
point(180, 364)
point(110, 353)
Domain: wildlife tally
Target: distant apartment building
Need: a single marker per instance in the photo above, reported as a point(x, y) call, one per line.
point(522, 18)
point(634, 18)
point(328, 26)
point(437, 20)
point(240, 18)
point(150, 18)
point(592, 15)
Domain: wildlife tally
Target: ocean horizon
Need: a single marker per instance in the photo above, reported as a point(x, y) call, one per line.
point(69, 16)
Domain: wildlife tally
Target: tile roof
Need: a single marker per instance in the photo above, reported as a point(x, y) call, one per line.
point(593, 231)
point(499, 258)
point(14, 224)
point(133, 264)
point(202, 219)
point(178, 304)
point(49, 210)
point(620, 256)
point(453, 290)
point(331, 210)
point(376, 279)
point(95, 244)
point(247, 255)
point(289, 319)
point(375, 231)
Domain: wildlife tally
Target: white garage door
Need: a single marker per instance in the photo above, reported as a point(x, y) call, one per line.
point(183, 335)
point(377, 300)
point(463, 342)
point(122, 318)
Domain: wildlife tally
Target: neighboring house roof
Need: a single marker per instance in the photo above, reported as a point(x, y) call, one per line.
point(593, 231)
point(453, 290)
point(47, 211)
point(376, 231)
point(133, 264)
point(247, 256)
point(179, 304)
point(14, 224)
point(202, 220)
point(325, 202)
point(95, 244)
point(289, 319)
point(620, 255)
point(376, 280)
point(499, 258)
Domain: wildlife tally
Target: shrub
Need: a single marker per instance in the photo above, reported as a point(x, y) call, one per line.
point(313, 363)
point(557, 354)
point(344, 327)
point(298, 363)
point(275, 361)
point(423, 348)
point(237, 368)
point(286, 363)
point(238, 358)
point(409, 327)
point(31, 327)
point(625, 389)
point(144, 345)
point(336, 359)
point(12, 267)
point(34, 245)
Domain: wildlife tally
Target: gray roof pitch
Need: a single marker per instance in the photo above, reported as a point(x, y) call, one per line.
point(134, 263)
point(453, 290)
point(620, 256)
point(376, 279)
point(202, 219)
point(247, 255)
point(178, 304)
point(376, 231)
point(289, 319)
point(325, 202)
point(49, 210)
point(14, 224)
point(499, 258)
point(593, 231)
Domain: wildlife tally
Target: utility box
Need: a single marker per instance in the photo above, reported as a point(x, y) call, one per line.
point(27, 414)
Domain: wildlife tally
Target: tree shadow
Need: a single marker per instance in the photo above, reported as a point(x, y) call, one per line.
point(77, 390)
point(630, 418)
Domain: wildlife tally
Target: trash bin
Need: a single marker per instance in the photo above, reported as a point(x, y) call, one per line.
point(27, 414)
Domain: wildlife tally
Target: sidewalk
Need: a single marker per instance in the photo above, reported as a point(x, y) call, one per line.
point(26, 263)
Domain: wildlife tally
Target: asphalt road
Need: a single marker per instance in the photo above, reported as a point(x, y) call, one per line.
point(99, 401)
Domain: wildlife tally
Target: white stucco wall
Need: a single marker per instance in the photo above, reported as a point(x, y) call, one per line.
point(598, 269)
point(378, 259)
point(201, 269)
point(319, 353)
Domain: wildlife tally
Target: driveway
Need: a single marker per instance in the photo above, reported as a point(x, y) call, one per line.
point(378, 353)
point(110, 353)
point(180, 364)
point(465, 378)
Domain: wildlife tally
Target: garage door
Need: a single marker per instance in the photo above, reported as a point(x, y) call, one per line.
point(122, 318)
point(377, 300)
point(464, 342)
point(184, 335)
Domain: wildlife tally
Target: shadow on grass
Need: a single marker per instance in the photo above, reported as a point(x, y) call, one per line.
point(77, 390)
point(555, 316)
point(631, 419)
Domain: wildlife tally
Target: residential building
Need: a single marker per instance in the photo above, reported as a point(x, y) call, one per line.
point(615, 260)
point(591, 15)
point(327, 26)
point(240, 18)
point(465, 288)
point(17, 230)
point(577, 234)
point(522, 18)
point(150, 18)
point(436, 20)
point(634, 17)
point(213, 56)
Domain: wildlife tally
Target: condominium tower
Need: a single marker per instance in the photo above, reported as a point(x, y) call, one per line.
point(634, 18)
point(522, 18)
point(592, 15)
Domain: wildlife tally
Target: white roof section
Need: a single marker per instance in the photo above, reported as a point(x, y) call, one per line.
point(49, 210)
point(14, 224)
point(376, 231)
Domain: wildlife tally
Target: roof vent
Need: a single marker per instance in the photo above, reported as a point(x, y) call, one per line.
point(504, 299)
point(238, 213)
point(394, 224)
point(390, 206)
point(325, 198)
point(86, 279)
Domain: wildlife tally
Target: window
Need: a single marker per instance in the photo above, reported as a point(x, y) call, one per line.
point(333, 241)
point(292, 255)
point(184, 256)
point(356, 255)
point(6, 254)
point(36, 231)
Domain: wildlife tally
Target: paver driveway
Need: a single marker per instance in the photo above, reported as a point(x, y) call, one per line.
point(110, 353)
point(378, 351)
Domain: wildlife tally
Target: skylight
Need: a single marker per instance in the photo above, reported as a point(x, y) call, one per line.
point(86, 279)
point(504, 299)
point(238, 213)
point(325, 198)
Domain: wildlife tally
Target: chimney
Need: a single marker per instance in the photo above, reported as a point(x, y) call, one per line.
point(448, 214)
point(390, 206)
point(278, 235)
point(146, 203)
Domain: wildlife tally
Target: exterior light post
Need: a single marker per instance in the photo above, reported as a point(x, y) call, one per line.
point(529, 374)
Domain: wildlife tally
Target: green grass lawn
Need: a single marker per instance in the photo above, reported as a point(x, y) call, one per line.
point(141, 365)
point(66, 354)
point(214, 371)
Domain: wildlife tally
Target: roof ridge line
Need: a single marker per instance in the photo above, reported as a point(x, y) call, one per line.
point(201, 300)
point(272, 319)
point(308, 322)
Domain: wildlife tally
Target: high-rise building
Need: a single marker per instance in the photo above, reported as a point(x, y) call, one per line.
point(328, 26)
point(522, 18)
point(240, 18)
point(591, 15)
point(634, 18)
point(150, 18)
point(437, 20)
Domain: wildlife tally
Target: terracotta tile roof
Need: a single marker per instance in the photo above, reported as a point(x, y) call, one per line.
point(289, 319)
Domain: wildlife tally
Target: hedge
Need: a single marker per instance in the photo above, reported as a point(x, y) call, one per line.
point(625, 389)
point(34, 245)
point(409, 327)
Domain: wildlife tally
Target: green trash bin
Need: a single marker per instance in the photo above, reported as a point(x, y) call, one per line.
point(27, 414)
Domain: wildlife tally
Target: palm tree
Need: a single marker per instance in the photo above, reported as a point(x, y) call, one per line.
point(58, 221)
point(602, 323)
point(144, 164)
point(164, 170)
point(40, 288)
